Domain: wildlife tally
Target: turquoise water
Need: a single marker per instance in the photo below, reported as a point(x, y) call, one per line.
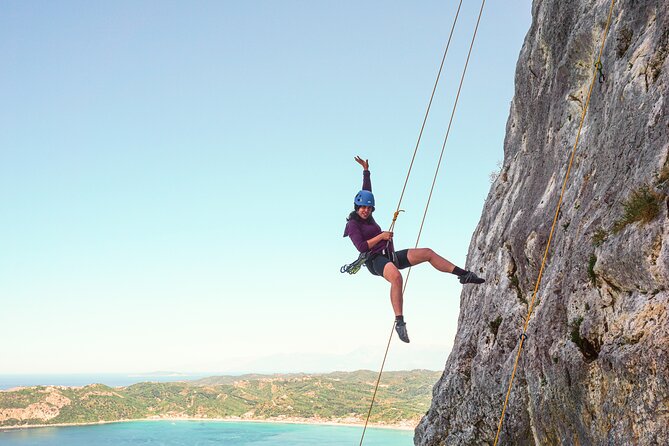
point(199, 433)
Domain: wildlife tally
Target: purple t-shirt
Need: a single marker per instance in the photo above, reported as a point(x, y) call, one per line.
point(359, 230)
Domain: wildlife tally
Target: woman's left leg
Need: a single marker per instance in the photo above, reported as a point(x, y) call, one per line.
point(420, 255)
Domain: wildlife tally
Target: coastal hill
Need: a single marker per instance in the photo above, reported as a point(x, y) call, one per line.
point(594, 368)
point(340, 397)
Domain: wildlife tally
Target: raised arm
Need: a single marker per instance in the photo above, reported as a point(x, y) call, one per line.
point(366, 175)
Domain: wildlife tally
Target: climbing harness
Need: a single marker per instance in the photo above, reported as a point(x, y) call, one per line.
point(523, 337)
point(464, 70)
point(355, 266)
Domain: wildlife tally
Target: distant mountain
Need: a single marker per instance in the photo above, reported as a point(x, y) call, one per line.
point(160, 374)
point(339, 397)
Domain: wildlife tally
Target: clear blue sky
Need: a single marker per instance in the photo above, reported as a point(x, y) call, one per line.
point(175, 177)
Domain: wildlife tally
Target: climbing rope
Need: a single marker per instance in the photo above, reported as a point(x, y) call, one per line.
point(596, 72)
point(398, 210)
point(450, 123)
point(376, 387)
point(427, 112)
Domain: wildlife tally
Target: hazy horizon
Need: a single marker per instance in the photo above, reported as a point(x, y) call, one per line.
point(362, 358)
point(12, 381)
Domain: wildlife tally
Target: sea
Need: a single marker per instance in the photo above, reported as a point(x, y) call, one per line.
point(203, 433)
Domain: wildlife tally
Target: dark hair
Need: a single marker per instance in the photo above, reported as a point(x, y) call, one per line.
point(354, 215)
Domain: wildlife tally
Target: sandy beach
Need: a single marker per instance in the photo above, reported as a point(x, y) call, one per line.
point(288, 420)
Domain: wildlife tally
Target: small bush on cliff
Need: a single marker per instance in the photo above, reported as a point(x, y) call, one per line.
point(494, 325)
point(591, 269)
point(599, 237)
point(575, 326)
point(642, 206)
point(493, 175)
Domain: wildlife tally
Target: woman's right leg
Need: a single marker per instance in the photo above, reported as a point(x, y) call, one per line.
point(393, 275)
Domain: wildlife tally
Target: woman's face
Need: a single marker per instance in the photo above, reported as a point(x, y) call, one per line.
point(364, 212)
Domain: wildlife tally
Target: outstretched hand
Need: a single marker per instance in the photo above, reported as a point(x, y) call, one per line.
point(362, 162)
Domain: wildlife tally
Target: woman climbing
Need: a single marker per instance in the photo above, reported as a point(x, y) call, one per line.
point(382, 259)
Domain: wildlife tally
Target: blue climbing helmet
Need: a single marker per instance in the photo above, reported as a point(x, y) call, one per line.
point(364, 198)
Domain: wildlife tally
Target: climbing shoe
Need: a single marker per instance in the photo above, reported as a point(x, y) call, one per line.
point(401, 329)
point(470, 277)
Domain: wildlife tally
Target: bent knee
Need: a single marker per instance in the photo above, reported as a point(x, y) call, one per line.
point(419, 255)
point(392, 274)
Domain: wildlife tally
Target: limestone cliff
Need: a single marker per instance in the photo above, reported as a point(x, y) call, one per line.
point(595, 366)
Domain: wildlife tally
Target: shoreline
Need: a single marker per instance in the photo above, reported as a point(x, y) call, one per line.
point(306, 421)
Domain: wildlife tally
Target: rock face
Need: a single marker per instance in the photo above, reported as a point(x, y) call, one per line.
point(45, 409)
point(595, 367)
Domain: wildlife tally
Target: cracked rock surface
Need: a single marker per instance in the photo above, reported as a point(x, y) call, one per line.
point(594, 369)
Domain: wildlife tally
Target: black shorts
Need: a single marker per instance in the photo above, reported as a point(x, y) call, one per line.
point(377, 262)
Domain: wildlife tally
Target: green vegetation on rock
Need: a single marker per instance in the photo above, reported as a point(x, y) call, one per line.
point(642, 205)
point(402, 398)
